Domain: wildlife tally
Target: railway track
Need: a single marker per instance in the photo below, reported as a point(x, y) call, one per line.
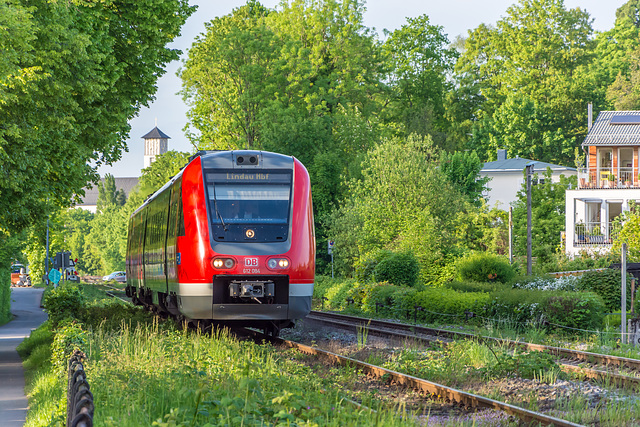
point(113, 293)
point(469, 400)
point(573, 361)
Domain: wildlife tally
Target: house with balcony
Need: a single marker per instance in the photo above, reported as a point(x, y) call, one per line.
point(607, 183)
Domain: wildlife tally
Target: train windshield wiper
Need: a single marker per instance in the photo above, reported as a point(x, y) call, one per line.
point(215, 206)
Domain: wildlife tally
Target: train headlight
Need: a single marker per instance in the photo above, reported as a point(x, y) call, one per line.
point(278, 263)
point(226, 263)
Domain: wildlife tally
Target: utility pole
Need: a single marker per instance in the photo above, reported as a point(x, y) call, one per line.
point(623, 268)
point(46, 261)
point(529, 172)
point(510, 235)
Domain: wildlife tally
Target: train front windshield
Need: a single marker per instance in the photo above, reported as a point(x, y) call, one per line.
point(255, 201)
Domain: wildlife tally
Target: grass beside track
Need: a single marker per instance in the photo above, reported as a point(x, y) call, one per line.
point(146, 372)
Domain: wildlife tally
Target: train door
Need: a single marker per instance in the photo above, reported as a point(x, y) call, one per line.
point(172, 236)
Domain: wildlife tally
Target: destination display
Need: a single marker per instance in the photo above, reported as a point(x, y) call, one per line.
point(269, 177)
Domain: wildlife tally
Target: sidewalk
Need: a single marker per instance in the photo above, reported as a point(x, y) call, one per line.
point(25, 305)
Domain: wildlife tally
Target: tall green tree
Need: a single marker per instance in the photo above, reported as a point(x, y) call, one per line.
point(403, 202)
point(107, 193)
point(73, 74)
point(272, 80)
point(614, 47)
point(420, 64)
point(532, 73)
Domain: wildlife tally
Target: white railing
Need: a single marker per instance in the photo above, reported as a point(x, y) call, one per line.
point(594, 233)
point(623, 177)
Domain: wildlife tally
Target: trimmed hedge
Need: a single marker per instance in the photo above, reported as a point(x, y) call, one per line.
point(476, 286)
point(607, 284)
point(5, 295)
point(580, 310)
point(443, 304)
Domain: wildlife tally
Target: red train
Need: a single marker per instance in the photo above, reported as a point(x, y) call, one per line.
point(228, 240)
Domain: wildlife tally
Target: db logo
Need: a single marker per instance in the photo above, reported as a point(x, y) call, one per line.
point(251, 262)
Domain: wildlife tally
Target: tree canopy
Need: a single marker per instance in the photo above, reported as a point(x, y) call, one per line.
point(73, 74)
point(531, 73)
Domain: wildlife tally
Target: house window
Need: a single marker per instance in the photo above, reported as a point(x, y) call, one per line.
point(605, 159)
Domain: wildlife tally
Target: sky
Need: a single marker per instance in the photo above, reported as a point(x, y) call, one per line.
point(455, 16)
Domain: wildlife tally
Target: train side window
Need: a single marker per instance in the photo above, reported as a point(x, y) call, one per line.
point(181, 231)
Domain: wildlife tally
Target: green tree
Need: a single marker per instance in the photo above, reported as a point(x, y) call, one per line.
point(531, 71)
point(420, 63)
point(463, 170)
point(165, 167)
point(403, 202)
point(73, 74)
point(616, 49)
point(107, 239)
point(628, 227)
point(547, 215)
point(107, 193)
point(228, 78)
point(273, 80)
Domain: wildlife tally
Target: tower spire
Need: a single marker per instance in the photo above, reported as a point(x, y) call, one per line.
point(155, 143)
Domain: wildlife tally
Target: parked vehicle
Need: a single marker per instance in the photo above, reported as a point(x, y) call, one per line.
point(118, 276)
point(19, 275)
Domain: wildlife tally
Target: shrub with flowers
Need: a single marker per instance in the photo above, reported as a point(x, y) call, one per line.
point(565, 283)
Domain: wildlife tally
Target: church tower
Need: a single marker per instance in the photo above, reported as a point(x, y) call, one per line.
point(156, 142)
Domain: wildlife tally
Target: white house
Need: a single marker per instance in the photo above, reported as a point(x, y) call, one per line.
point(607, 184)
point(155, 144)
point(507, 177)
point(90, 199)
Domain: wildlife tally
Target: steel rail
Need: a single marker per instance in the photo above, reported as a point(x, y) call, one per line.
point(600, 359)
point(468, 399)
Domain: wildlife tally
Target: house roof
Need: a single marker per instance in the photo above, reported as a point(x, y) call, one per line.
point(625, 132)
point(156, 133)
point(91, 194)
point(518, 164)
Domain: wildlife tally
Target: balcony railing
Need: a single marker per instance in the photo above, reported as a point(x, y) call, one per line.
point(608, 178)
point(594, 233)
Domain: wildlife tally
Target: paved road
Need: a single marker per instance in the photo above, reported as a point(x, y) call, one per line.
point(25, 305)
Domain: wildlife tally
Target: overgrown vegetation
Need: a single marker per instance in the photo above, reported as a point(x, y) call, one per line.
point(168, 376)
point(546, 303)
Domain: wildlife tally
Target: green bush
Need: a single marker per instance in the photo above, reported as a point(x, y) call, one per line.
point(402, 268)
point(321, 285)
point(70, 336)
point(580, 310)
point(338, 294)
point(43, 336)
point(65, 301)
point(364, 268)
point(607, 284)
point(476, 286)
point(485, 267)
point(442, 304)
point(380, 299)
point(5, 295)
